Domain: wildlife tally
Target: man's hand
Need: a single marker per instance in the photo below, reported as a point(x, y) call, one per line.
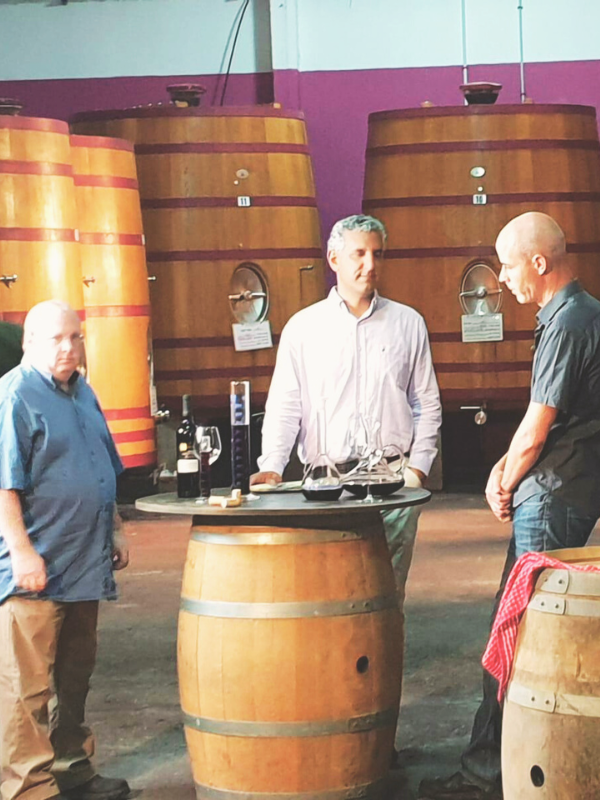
point(120, 552)
point(29, 569)
point(272, 478)
point(120, 549)
point(420, 475)
point(498, 499)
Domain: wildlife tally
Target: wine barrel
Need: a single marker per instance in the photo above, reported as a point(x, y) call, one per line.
point(445, 181)
point(551, 722)
point(221, 188)
point(39, 253)
point(290, 661)
point(117, 304)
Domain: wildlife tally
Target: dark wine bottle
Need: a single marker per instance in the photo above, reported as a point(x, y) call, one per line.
point(188, 466)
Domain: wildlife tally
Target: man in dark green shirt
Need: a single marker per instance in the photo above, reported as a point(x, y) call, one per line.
point(11, 352)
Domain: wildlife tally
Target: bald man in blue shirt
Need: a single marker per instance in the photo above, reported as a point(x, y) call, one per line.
point(58, 550)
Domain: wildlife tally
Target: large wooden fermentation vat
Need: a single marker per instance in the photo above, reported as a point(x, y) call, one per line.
point(290, 658)
point(418, 181)
point(39, 253)
point(445, 181)
point(551, 721)
point(117, 305)
point(193, 165)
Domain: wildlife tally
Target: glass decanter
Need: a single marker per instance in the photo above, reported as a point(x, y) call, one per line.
point(322, 480)
point(373, 478)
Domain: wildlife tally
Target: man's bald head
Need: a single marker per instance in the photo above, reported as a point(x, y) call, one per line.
point(44, 314)
point(533, 233)
point(52, 340)
point(532, 252)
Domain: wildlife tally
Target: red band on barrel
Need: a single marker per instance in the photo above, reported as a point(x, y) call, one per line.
point(134, 436)
point(491, 366)
point(456, 336)
point(203, 111)
point(220, 147)
point(35, 124)
point(142, 412)
point(228, 202)
point(218, 372)
point(36, 168)
point(112, 238)
point(18, 317)
point(233, 255)
point(103, 142)
point(201, 341)
point(117, 311)
point(139, 460)
point(37, 235)
point(482, 111)
point(106, 182)
point(467, 199)
point(413, 148)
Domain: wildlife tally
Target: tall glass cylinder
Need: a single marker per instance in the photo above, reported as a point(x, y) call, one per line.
point(239, 399)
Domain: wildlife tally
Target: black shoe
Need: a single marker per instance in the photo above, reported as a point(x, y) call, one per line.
point(484, 763)
point(457, 787)
point(98, 788)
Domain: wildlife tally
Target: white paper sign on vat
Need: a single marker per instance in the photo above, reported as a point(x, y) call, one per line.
point(252, 335)
point(482, 328)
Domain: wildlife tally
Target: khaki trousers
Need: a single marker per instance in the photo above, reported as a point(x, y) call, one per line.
point(400, 527)
point(47, 656)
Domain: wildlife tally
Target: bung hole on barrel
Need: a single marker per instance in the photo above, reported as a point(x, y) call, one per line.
point(537, 776)
point(362, 665)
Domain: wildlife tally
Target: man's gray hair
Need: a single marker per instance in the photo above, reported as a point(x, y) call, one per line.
point(357, 222)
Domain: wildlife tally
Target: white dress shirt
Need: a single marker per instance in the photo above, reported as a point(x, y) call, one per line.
point(378, 365)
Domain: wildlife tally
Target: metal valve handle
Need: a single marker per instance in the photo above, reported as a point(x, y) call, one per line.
point(247, 295)
point(480, 292)
point(8, 279)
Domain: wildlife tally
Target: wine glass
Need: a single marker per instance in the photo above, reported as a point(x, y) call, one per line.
point(208, 440)
point(207, 446)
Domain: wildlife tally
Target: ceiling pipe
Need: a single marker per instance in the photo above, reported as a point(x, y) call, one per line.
point(521, 58)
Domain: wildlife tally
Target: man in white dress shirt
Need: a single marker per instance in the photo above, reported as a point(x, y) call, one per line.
point(357, 355)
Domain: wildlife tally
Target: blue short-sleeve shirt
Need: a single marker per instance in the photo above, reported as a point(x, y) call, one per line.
point(57, 452)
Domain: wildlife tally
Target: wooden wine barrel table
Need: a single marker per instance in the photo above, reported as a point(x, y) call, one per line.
point(289, 646)
point(551, 721)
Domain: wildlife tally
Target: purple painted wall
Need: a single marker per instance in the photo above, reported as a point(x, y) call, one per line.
point(336, 105)
point(62, 98)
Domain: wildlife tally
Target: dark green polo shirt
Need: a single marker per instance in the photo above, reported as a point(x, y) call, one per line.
point(11, 352)
point(566, 376)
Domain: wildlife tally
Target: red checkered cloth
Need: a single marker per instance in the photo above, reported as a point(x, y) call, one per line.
point(500, 650)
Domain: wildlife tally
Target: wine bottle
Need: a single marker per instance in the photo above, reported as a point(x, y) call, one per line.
point(188, 467)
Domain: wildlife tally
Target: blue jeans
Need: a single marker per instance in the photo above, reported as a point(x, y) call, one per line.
point(542, 523)
point(545, 522)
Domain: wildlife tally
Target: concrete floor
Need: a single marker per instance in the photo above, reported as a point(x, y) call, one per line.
point(134, 707)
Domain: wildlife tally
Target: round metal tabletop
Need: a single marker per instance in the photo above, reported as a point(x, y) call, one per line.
point(276, 504)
